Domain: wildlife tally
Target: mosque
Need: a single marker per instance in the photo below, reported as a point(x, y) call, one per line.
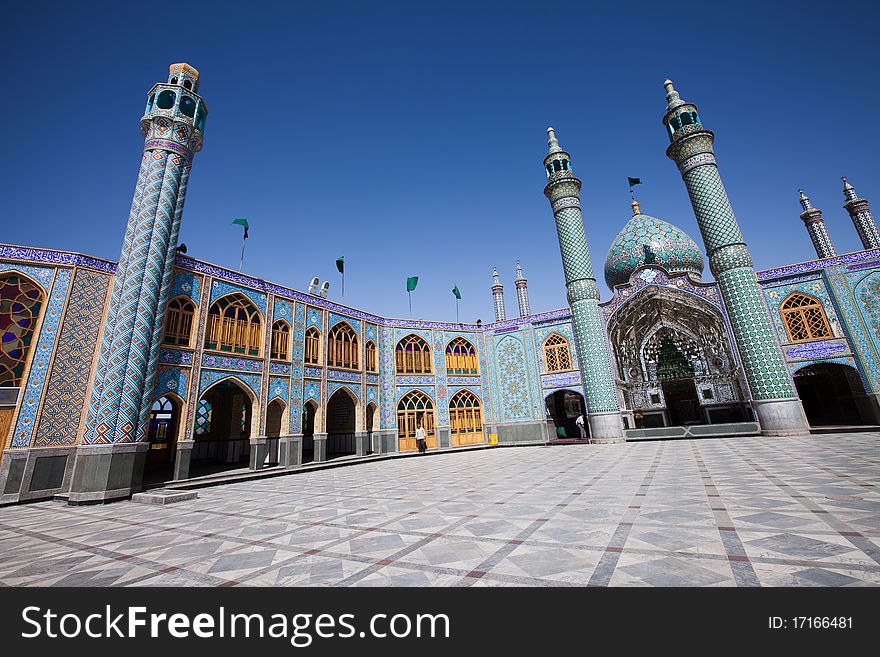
point(161, 367)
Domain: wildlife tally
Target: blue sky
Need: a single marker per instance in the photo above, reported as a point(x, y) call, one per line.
point(410, 136)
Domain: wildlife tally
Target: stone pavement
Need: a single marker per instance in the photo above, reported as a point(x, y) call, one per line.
point(724, 512)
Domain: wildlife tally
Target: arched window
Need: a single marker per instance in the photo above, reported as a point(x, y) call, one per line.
point(556, 353)
point(203, 417)
point(234, 325)
point(166, 99)
point(413, 356)
point(465, 419)
point(461, 357)
point(370, 356)
point(280, 340)
point(342, 347)
point(313, 346)
point(178, 321)
point(413, 409)
point(804, 318)
point(20, 302)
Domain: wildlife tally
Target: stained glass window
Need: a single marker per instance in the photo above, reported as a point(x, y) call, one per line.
point(20, 302)
point(804, 318)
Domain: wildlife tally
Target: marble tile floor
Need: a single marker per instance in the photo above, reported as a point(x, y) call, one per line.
point(744, 511)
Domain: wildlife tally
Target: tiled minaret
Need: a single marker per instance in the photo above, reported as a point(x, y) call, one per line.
point(110, 458)
point(563, 191)
point(861, 217)
point(498, 296)
point(774, 398)
point(522, 292)
point(812, 218)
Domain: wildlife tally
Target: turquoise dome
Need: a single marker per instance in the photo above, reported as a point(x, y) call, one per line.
point(673, 249)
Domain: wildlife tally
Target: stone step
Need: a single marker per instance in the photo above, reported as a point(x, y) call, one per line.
point(163, 496)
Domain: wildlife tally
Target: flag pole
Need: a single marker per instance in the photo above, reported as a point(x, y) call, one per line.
point(456, 311)
point(241, 261)
point(409, 295)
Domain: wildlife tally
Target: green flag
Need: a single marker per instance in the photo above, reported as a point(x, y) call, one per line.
point(241, 221)
point(634, 181)
point(411, 283)
point(340, 264)
point(456, 292)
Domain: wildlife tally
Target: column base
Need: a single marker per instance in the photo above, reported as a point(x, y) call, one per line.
point(444, 436)
point(362, 443)
point(102, 473)
point(182, 459)
point(385, 441)
point(290, 451)
point(35, 473)
point(781, 417)
point(320, 447)
point(259, 451)
point(606, 428)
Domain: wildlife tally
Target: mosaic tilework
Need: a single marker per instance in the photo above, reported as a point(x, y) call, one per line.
point(673, 249)
point(560, 380)
point(717, 222)
point(296, 378)
point(40, 275)
point(480, 344)
point(279, 368)
point(344, 375)
point(333, 386)
point(175, 356)
point(400, 391)
point(172, 379)
point(463, 380)
point(815, 288)
point(278, 388)
point(439, 353)
point(312, 390)
point(370, 332)
point(514, 403)
point(844, 293)
point(232, 362)
point(313, 372)
point(574, 388)
point(334, 319)
point(66, 389)
point(53, 256)
point(592, 347)
point(453, 390)
point(282, 310)
point(222, 288)
point(415, 380)
point(185, 284)
point(371, 378)
point(210, 377)
point(36, 382)
point(818, 350)
point(794, 366)
point(851, 259)
point(314, 318)
point(372, 394)
point(386, 378)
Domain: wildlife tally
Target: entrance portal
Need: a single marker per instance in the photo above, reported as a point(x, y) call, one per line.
point(682, 404)
point(564, 407)
point(833, 394)
point(222, 430)
point(310, 410)
point(162, 436)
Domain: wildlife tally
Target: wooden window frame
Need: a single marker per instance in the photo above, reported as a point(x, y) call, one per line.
point(229, 332)
point(415, 361)
point(461, 358)
point(280, 346)
point(342, 347)
point(557, 354)
point(804, 318)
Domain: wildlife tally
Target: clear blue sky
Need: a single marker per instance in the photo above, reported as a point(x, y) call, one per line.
point(408, 136)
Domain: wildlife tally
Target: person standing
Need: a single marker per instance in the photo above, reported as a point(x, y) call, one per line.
point(580, 424)
point(420, 438)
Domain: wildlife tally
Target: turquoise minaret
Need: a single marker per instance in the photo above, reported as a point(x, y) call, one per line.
point(110, 457)
point(812, 218)
point(774, 398)
point(498, 297)
point(861, 216)
point(600, 393)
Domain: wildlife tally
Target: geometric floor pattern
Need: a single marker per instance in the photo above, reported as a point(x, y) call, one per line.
point(726, 512)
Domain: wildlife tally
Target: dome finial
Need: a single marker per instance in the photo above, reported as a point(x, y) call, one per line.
point(805, 200)
point(672, 98)
point(635, 204)
point(552, 142)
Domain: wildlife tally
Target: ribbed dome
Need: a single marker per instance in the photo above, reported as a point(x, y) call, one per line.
point(673, 249)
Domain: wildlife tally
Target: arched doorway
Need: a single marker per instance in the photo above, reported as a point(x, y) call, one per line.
point(162, 436)
point(833, 395)
point(223, 428)
point(564, 407)
point(341, 424)
point(368, 426)
point(413, 409)
point(465, 419)
point(274, 422)
point(310, 412)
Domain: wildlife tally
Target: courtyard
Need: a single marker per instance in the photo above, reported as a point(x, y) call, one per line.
point(723, 512)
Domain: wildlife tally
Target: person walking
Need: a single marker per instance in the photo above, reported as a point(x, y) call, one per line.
point(420, 438)
point(580, 424)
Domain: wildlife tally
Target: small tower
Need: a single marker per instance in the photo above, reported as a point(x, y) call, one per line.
point(861, 217)
point(522, 292)
point(812, 218)
point(110, 459)
point(774, 398)
point(563, 191)
point(498, 296)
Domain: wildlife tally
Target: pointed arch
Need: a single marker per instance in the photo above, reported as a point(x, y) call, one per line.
point(234, 325)
point(280, 349)
point(312, 352)
point(21, 300)
point(461, 357)
point(179, 316)
point(414, 408)
point(557, 355)
point(804, 318)
point(276, 417)
point(412, 355)
point(370, 356)
point(342, 347)
point(465, 419)
point(250, 424)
